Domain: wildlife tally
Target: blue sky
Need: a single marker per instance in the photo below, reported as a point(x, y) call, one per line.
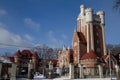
point(51, 22)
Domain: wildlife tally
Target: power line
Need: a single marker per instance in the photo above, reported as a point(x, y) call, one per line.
point(14, 45)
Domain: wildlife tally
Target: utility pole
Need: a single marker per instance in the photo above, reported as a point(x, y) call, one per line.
point(110, 65)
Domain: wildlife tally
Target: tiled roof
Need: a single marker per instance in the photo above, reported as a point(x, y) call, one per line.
point(26, 52)
point(18, 53)
point(81, 37)
point(91, 54)
point(104, 57)
point(35, 54)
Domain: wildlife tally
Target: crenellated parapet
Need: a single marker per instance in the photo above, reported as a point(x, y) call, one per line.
point(101, 14)
point(87, 15)
point(82, 9)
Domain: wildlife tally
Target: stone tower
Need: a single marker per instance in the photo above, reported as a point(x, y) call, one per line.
point(89, 35)
point(88, 44)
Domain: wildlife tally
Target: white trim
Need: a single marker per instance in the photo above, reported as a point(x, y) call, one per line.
point(88, 38)
point(104, 42)
point(92, 38)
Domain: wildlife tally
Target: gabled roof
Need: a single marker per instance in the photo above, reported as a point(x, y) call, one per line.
point(81, 37)
point(18, 53)
point(35, 54)
point(26, 52)
point(104, 57)
point(89, 55)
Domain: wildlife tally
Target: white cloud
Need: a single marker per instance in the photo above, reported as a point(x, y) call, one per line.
point(3, 12)
point(12, 39)
point(32, 24)
point(53, 41)
point(28, 37)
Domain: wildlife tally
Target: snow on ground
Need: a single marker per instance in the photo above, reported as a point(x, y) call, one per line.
point(69, 79)
point(84, 79)
point(41, 77)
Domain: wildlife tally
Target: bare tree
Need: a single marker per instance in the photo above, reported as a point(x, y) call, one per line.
point(115, 48)
point(117, 5)
point(46, 52)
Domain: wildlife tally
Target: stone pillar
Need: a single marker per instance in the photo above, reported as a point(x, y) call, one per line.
point(50, 65)
point(13, 72)
point(71, 71)
point(92, 36)
point(118, 77)
point(30, 67)
point(88, 48)
point(104, 42)
point(81, 71)
point(102, 18)
point(50, 69)
point(79, 52)
point(117, 72)
point(0, 69)
point(100, 68)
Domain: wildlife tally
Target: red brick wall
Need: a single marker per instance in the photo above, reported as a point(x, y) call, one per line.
point(98, 40)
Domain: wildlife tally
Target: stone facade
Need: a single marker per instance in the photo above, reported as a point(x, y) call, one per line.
point(65, 57)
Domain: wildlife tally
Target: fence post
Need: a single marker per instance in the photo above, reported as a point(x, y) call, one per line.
point(0, 69)
point(71, 71)
point(50, 69)
point(81, 71)
point(100, 68)
point(30, 67)
point(13, 72)
point(117, 72)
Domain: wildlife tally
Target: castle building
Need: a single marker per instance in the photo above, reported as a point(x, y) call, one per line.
point(88, 42)
point(22, 59)
point(27, 60)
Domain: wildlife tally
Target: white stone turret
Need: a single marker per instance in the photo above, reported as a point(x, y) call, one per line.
point(68, 47)
point(82, 12)
point(64, 48)
point(102, 16)
point(82, 9)
point(89, 15)
point(59, 52)
point(75, 30)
